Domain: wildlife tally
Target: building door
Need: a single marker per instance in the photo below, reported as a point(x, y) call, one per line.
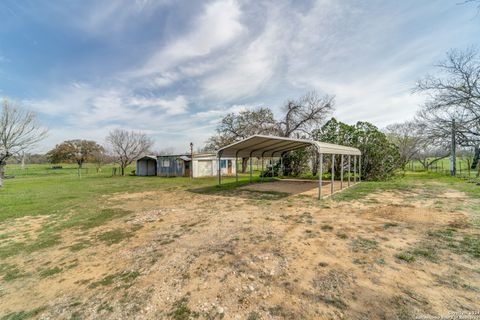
point(204, 168)
point(229, 167)
point(187, 168)
point(151, 168)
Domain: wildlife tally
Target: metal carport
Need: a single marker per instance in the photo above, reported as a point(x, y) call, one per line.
point(261, 146)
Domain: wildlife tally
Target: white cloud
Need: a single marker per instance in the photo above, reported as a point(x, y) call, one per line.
point(110, 17)
point(175, 106)
point(245, 74)
point(214, 115)
point(164, 80)
point(80, 104)
point(218, 25)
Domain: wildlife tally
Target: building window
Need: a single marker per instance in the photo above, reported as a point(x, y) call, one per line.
point(223, 164)
point(166, 163)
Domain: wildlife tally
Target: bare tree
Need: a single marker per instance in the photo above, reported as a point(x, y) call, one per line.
point(127, 146)
point(430, 155)
point(408, 138)
point(476, 2)
point(301, 116)
point(237, 126)
point(19, 131)
point(100, 158)
point(304, 114)
point(452, 111)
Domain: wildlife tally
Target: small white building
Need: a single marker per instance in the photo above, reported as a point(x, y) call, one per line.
point(202, 165)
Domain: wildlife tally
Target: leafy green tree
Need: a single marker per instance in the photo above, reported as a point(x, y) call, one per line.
point(295, 162)
point(380, 157)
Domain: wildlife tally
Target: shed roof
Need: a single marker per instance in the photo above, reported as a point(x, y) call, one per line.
point(270, 146)
point(148, 158)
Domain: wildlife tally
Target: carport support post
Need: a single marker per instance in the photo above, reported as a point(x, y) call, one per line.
point(341, 172)
point(262, 168)
point(280, 169)
point(273, 174)
point(359, 168)
point(236, 167)
point(349, 171)
point(355, 169)
point(333, 174)
point(219, 172)
point(320, 174)
point(250, 168)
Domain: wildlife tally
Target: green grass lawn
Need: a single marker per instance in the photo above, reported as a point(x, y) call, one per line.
point(432, 182)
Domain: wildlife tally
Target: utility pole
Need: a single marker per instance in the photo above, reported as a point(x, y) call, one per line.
point(191, 160)
point(453, 151)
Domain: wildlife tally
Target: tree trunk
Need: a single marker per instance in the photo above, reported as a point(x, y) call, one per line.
point(244, 164)
point(79, 169)
point(2, 174)
point(123, 171)
point(476, 157)
point(453, 152)
point(314, 164)
point(23, 161)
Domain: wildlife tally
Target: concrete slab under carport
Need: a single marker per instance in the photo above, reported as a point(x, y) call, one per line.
point(297, 187)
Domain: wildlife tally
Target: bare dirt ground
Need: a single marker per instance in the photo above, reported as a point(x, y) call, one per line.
point(244, 254)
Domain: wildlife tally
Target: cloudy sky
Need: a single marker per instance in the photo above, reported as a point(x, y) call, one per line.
point(173, 68)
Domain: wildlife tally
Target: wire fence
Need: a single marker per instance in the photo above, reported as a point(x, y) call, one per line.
point(64, 170)
point(463, 169)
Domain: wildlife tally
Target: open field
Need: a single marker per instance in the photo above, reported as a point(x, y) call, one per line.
point(149, 248)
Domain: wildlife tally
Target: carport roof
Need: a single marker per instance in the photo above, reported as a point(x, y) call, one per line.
point(270, 146)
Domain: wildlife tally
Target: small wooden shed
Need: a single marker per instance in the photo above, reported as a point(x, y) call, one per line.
point(147, 166)
point(173, 166)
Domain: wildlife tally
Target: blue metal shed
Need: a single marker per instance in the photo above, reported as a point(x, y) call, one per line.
point(173, 166)
point(147, 166)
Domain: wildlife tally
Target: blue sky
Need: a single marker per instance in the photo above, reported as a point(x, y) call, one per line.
point(173, 68)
